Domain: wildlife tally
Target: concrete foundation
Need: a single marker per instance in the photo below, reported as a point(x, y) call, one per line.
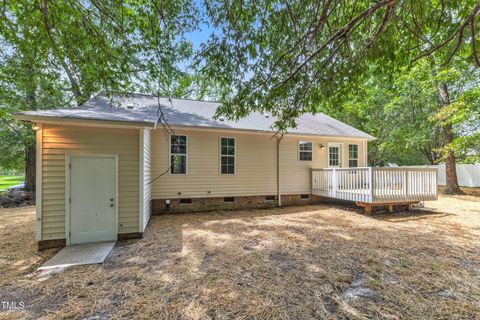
point(60, 243)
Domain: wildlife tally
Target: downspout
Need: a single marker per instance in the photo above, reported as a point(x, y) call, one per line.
point(279, 196)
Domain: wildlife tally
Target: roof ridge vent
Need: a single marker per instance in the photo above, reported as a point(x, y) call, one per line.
point(130, 106)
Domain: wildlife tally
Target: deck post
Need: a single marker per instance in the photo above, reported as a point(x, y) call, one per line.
point(370, 184)
point(334, 183)
point(406, 184)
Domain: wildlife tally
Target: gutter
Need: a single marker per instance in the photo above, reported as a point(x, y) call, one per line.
point(70, 120)
point(269, 132)
point(279, 195)
point(154, 125)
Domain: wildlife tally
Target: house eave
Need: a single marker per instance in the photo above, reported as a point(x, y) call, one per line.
point(251, 131)
point(82, 121)
point(133, 124)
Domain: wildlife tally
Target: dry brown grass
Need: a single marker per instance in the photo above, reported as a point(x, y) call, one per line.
point(291, 263)
point(467, 190)
point(18, 254)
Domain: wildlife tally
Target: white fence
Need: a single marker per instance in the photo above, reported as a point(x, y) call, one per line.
point(468, 174)
point(376, 185)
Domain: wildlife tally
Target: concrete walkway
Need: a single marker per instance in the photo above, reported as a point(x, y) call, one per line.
point(78, 255)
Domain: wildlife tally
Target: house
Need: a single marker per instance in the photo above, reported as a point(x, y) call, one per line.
point(103, 168)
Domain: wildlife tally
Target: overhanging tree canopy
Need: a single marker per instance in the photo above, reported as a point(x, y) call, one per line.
point(281, 57)
point(291, 57)
point(56, 54)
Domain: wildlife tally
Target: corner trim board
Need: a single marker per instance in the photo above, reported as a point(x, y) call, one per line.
point(38, 183)
point(365, 151)
point(141, 178)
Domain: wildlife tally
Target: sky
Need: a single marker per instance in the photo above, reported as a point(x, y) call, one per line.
point(204, 30)
point(199, 36)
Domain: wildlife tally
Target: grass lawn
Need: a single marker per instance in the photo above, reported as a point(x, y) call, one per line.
point(8, 181)
point(311, 262)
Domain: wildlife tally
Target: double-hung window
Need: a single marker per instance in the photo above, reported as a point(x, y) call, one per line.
point(178, 154)
point(227, 155)
point(353, 155)
point(305, 150)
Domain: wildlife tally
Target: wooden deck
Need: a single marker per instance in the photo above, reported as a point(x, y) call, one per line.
point(375, 185)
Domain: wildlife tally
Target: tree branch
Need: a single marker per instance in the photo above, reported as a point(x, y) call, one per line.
point(339, 33)
point(458, 33)
point(474, 42)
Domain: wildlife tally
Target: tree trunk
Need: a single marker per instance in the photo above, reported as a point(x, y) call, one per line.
point(30, 167)
point(451, 186)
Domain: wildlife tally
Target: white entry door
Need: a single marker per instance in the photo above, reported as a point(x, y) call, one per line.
point(92, 199)
point(334, 155)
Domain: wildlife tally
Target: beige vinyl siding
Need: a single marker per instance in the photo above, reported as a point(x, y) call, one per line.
point(255, 172)
point(295, 175)
point(203, 176)
point(147, 176)
point(58, 141)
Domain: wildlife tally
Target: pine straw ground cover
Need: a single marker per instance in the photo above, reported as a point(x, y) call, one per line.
point(293, 263)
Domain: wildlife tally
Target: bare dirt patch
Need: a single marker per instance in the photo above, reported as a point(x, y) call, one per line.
point(322, 261)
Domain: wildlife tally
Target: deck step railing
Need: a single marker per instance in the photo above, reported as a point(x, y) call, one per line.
point(376, 185)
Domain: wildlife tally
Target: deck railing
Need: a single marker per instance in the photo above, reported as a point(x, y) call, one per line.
point(376, 185)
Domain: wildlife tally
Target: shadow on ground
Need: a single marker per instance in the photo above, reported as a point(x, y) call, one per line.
point(324, 261)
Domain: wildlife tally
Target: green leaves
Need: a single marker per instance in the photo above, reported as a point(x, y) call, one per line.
point(288, 58)
point(56, 54)
point(406, 116)
point(351, 58)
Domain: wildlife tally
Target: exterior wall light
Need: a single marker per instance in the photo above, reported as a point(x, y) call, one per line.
point(322, 147)
point(35, 127)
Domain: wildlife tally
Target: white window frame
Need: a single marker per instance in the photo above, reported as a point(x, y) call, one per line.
point(170, 155)
point(220, 156)
point(358, 155)
point(298, 150)
point(340, 154)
